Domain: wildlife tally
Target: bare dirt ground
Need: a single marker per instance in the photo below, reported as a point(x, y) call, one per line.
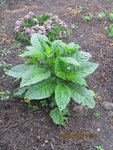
point(22, 129)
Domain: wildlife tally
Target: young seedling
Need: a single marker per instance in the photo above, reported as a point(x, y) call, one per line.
point(88, 17)
point(2, 2)
point(99, 148)
point(4, 95)
point(58, 74)
point(110, 31)
point(4, 65)
point(101, 16)
point(16, 45)
point(74, 25)
point(4, 52)
point(110, 16)
point(97, 114)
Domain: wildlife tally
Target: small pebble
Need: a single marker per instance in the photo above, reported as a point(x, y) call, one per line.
point(46, 141)
point(38, 137)
point(98, 129)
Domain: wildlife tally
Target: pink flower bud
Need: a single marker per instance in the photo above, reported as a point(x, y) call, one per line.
point(42, 28)
point(35, 20)
point(36, 27)
point(18, 23)
point(50, 14)
point(27, 17)
point(32, 32)
point(28, 30)
point(41, 32)
point(48, 27)
point(31, 13)
point(48, 22)
point(17, 29)
point(55, 17)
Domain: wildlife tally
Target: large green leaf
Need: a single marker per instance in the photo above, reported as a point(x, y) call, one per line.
point(72, 47)
point(36, 43)
point(82, 56)
point(76, 78)
point(62, 95)
point(40, 37)
point(82, 95)
point(20, 92)
point(59, 47)
point(70, 60)
point(67, 73)
point(34, 75)
point(57, 116)
point(62, 70)
point(85, 69)
point(41, 90)
point(17, 71)
point(31, 53)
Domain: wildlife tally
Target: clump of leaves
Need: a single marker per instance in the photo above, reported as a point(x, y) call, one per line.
point(110, 31)
point(99, 148)
point(74, 25)
point(101, 16)
point(2, 2)
point(88, 17)
point(45, 24)
point(4, 65)
point(57, 71)
point(4, 95)
point(110, 16)
point(97, 114)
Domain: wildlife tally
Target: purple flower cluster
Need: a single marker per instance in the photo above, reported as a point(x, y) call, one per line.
point(60, 22)
point(37, 28)
point(18, 25)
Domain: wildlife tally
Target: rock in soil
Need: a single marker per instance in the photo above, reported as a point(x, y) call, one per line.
point(107, 105)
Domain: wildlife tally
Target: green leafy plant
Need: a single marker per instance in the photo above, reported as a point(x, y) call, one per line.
point(2, 2)
point(110, 16)
point(88, 17)
point(99, 148)
point(45, 24)
point(97, 114)
point(4, 95)
point(101, 16)
point(4, 52)
point(110, 30)
point(16, 45)
point(55, 71)
point(4, 65)
point(74, 25)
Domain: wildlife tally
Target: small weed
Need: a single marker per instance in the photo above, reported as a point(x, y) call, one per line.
point(4, 65)
point(110, 31)
point(97, 114)
point(88, 17)
point(2, 2)
point(74, 25)
point(99, 148)
point(110, 16)
point(16, 45)
point(44, 103)
point(4, 52)
point(101, 16)
point(33, 107)
point(4, 95)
